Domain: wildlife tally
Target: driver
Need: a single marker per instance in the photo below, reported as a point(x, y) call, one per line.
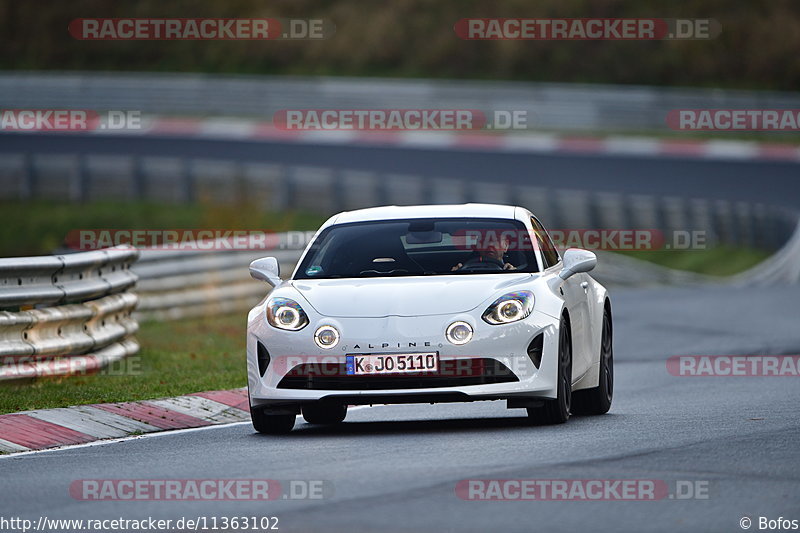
point(493, 253)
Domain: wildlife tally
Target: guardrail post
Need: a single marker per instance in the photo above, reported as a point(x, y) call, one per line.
point(573, 209)
point(745, 223)
point(492, 193)
point(28, 189)
point(290, 188)
point(242, 196)
point(382, 188)
point(609, 211)
point(539, 202)
point(701, 216)
point(359, 189)
point(279, 196)
point(79, 186)
point(723, 220)
point(446, 191)
point(674, 216)
point(595, 213)
point(787, 225)
point(188, 181)
point(761, 237)
point(139, 179)
point(337, 190)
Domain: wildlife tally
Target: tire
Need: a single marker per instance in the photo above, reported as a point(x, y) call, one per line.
point(271, 424)
point(557, 411)
point(324, 413)
point(597, 401)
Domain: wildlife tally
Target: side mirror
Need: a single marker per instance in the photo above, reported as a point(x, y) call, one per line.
point(266, 269)
point(577, 260)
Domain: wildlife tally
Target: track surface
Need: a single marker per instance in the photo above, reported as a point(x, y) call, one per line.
point(394, 468)
point(754, 181)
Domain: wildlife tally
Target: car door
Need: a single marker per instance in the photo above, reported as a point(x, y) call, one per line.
point(575, 292)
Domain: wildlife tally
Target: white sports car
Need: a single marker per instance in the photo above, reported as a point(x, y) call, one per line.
point(439, 303)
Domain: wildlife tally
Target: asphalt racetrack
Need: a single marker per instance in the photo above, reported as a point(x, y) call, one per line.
point(395, 468)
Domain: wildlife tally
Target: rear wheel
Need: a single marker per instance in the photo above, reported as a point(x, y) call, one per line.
point(597, 401)
point(271, 424)
point(324, 413)
point(557, 411)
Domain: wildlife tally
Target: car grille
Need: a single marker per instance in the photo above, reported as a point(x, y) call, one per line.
point(333, 376)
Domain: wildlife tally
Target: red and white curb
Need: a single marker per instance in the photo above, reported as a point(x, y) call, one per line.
point(49, 428)
point(228, 128)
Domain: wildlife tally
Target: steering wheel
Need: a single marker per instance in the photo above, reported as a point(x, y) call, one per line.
point(483, 266)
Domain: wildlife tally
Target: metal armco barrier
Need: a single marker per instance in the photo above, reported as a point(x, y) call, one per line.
point(330, 190)
point(66, 314)
point(59, 279)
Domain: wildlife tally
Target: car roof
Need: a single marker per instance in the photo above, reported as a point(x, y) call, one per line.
point(394, 212)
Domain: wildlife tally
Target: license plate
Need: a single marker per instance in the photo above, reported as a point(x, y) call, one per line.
point(391, 363)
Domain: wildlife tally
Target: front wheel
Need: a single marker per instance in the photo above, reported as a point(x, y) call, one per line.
point(557, 411)
point(597, 401)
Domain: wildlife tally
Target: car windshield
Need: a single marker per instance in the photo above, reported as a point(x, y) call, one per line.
point(419, 247)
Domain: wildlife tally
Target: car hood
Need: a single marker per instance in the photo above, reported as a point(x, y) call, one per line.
point(403, 296)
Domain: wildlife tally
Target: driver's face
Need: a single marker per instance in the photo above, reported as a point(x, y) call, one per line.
point(495, 250)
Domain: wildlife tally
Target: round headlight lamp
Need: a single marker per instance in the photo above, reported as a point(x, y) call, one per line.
point(326, 337)
point(284, 313)
point(509, 308)
point(459, 333)
point(287, 317)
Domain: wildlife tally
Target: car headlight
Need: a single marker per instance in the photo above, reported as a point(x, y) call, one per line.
point(287, 314)
point(510, 308)
point(459, 333)
point(326, 337)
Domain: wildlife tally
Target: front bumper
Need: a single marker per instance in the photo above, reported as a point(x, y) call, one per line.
point(495, 364)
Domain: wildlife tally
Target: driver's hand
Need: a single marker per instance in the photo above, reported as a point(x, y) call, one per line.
point(457, 267)
point(509, 266)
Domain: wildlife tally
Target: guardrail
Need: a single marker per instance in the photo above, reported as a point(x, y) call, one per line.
point(327, 190)
point(66, 314)
point(549, 105)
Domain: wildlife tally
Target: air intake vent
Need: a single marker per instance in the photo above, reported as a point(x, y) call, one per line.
point(263, 359)
point(535, 350)
point(333, 376)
